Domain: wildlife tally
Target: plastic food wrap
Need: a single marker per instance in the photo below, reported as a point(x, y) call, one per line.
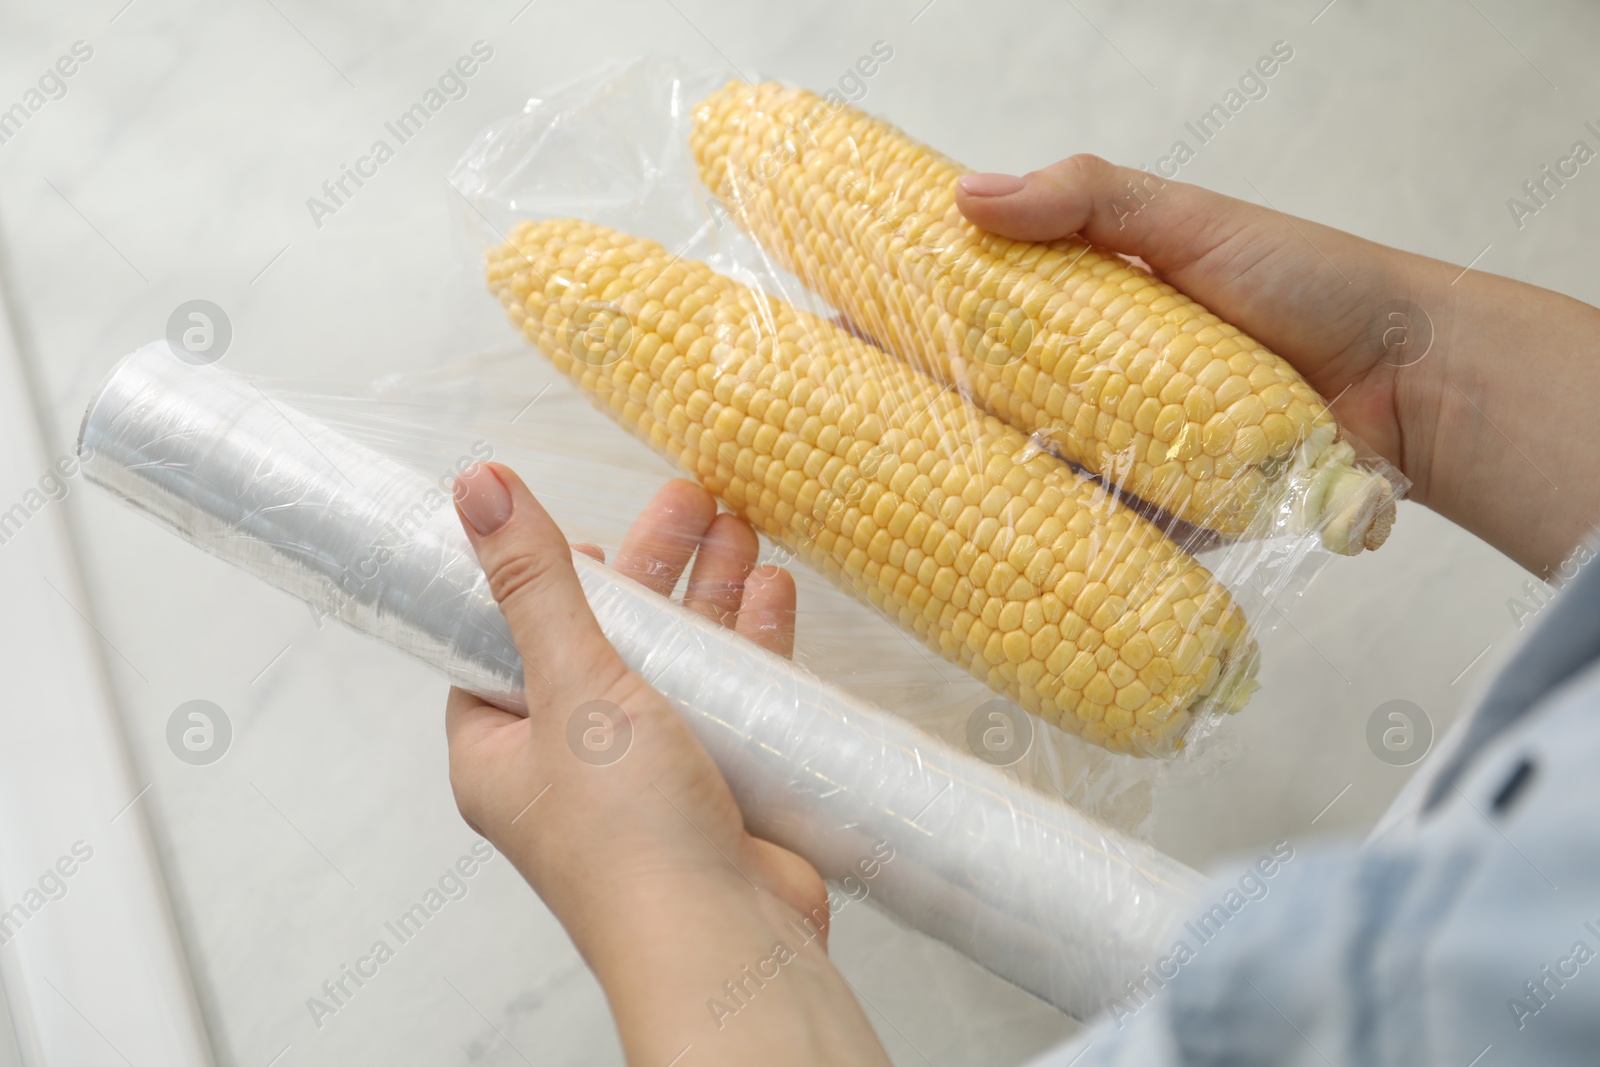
point(1019, 882)
point(910, 477)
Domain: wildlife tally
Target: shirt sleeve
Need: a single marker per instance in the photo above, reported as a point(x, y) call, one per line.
point(1471, 939)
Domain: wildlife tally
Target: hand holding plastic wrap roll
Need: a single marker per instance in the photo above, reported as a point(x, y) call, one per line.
point(1055, 588)
point(1016, 880)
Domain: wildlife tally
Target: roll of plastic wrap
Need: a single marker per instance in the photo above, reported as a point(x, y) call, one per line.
point(1019, 882)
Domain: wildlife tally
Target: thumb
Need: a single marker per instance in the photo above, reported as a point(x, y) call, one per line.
point(529, 567)
point(1168, 224)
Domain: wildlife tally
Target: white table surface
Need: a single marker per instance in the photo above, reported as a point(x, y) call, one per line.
point(177, 166)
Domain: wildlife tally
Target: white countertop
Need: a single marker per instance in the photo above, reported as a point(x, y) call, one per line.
point(178, 165)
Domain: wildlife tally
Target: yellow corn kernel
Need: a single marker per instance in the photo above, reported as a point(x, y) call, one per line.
point(1119, 371)
point(834, 486)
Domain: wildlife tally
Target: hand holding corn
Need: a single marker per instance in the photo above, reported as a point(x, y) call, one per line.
point(994, 603)
point(1477, 387)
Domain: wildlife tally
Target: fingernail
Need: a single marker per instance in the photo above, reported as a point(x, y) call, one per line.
point(991, 184)
point(483, 499)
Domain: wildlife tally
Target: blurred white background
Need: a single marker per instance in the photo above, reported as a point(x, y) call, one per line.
point(177, 165)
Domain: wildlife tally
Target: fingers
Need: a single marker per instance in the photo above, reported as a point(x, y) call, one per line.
point(594, 552)
point(766, 613)
point(529, 567)
point(664, 537)
point(681, 523)
point(1168, 224)
point(727, 553)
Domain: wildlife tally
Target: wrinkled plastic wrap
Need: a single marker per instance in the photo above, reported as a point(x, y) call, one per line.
point(1116, 636)
point(1019, 882)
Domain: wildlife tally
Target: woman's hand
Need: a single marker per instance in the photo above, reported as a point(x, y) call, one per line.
point(1456, 377)
point(639, 849)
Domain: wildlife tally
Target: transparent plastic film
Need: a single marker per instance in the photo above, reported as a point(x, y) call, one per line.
point(216, 459)
point(1024, 884)
point(1046, 466)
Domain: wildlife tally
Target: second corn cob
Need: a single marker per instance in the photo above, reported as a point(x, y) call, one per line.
point(998, 555)
point(1123, 374)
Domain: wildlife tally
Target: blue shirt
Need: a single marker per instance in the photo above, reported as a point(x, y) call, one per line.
point(1465, 932)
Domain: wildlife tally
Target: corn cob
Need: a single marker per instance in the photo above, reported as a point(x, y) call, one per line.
point(1119, 372)
point(997, 554)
